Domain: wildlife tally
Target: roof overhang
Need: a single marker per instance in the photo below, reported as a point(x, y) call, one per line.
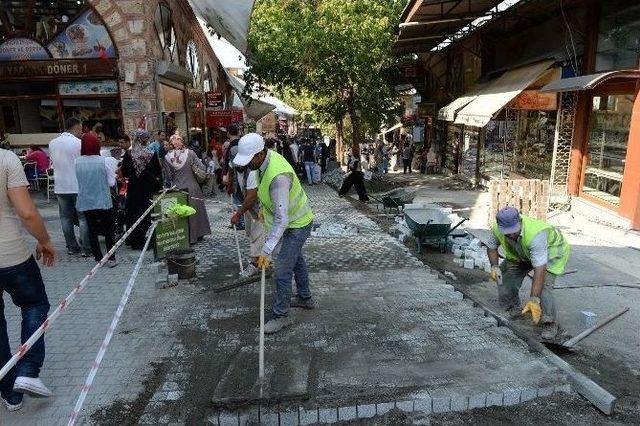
point(230, 19)
point(591, 81)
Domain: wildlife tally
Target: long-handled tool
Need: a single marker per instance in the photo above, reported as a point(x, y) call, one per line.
point(235, 235)
point(570, 344)
point(261, 349)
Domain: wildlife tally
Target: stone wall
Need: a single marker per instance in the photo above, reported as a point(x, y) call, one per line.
point(131, 25)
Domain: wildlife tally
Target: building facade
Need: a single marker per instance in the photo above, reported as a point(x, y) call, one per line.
point(542, 90)
point(124, 64)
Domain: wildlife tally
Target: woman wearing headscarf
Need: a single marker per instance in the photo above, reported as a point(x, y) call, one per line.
point(142, 168)
point(95, 179)
point(180, 163)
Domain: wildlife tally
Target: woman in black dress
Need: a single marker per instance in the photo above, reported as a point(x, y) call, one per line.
point(142, 168)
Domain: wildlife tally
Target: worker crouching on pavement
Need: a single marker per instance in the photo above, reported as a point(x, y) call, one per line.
point(288, 219)
point(528, 244)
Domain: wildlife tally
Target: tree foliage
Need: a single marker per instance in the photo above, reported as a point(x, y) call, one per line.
point(334, 52)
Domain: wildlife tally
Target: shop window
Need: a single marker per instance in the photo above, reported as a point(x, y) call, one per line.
point(608, 139)
point(193, 63)
point(105, 111)
point(619, 38)
point(163, 24)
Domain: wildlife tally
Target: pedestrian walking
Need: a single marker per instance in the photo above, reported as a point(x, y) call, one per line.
point(407, 157)
point(528, 244)
point(355, 178)
point(288, 221)
point(142, 169)
point(20, 277)
point(181, 163)
point(309, 159)
point(96, 177)
point(64, 150)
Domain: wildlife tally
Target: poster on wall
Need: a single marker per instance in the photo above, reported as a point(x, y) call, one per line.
point(22, 49)
point(85, 37)
point(534, 100)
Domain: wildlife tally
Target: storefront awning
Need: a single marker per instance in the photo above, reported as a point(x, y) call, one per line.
point(392, 128)
point(448, 112)
point(499, 92)
point(588, 82)
point(230, 19)
point(255, 107)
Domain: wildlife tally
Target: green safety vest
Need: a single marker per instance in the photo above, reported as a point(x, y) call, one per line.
point(558, 247)
point(300, 214)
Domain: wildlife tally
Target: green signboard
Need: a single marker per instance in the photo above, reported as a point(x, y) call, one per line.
point(171, 234)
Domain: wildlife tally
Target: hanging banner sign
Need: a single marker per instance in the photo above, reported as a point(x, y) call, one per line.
point(22, 49)
point(224, 117)
point(214, 99)
point(534, 100)
point(60, 69)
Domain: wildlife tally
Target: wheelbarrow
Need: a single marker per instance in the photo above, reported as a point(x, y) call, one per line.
point(431, 227)
point(395, 199)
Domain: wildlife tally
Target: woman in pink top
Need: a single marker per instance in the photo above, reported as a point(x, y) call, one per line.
point(37, 155)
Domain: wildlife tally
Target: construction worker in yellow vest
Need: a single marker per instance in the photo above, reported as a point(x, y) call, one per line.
point(528, 244)
point(288, 219)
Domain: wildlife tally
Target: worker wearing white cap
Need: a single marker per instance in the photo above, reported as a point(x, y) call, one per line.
point(288, 220)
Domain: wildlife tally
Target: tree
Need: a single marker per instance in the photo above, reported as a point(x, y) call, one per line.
point(336, 51)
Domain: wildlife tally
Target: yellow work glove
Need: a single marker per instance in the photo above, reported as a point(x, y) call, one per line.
point(496, 274)
point(264, 261)
point(533, 306)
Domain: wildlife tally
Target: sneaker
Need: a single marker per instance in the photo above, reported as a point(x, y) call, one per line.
point(13, 402)
point(249, 271)
point(73, 252)
point(549, 331)
point(276, 324)
point(87, 254)
point(299, 302)
point(32, 387)
point(111, 263)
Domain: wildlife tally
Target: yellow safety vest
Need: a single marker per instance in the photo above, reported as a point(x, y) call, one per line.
point(300, 214)
point(558, 247)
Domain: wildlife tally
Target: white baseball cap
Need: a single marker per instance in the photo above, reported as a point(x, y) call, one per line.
point(248, 146)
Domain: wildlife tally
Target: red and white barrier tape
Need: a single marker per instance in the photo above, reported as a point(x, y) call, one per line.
point(64, 304)
point(107, 339)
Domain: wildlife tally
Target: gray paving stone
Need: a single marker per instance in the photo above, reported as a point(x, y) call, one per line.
point(528, 394)
point(565, 388)
point(328, 415)
point(441, 404)
point(384, 408)
point(308, 416)
point(366, 411)
point(423, 404)
point(478, 401)
point(459, 403)
point(406, 406)
point(228, 419)
point(289, 417)
point(494, 398)
point(347, 413)
point(511, 396)
point(545, 391)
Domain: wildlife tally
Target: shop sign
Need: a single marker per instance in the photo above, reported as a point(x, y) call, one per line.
point(89, 87)
point(224, 117)
point(172, 234)
point(534, 100)
point(57, 69)
point(269, 123)
point(22, 49)
point(214, 99)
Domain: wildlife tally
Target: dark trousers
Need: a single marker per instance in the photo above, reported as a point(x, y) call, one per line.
point(101, 221)
point(354, 179)
point(407, 165)
point(24, 284)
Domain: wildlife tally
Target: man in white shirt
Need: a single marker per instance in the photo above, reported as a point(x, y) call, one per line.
point(63, 152)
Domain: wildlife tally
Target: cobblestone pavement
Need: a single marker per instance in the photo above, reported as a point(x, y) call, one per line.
point(387, 333)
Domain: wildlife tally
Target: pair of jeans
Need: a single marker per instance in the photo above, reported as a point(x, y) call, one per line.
point(513, 274)
point(101, 221)
point(24, 284)
point(68, 215)
point(310, 168)
point(289, 263)
point(407, 165)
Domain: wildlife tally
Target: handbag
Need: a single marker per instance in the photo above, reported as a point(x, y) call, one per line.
point(201, 175)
